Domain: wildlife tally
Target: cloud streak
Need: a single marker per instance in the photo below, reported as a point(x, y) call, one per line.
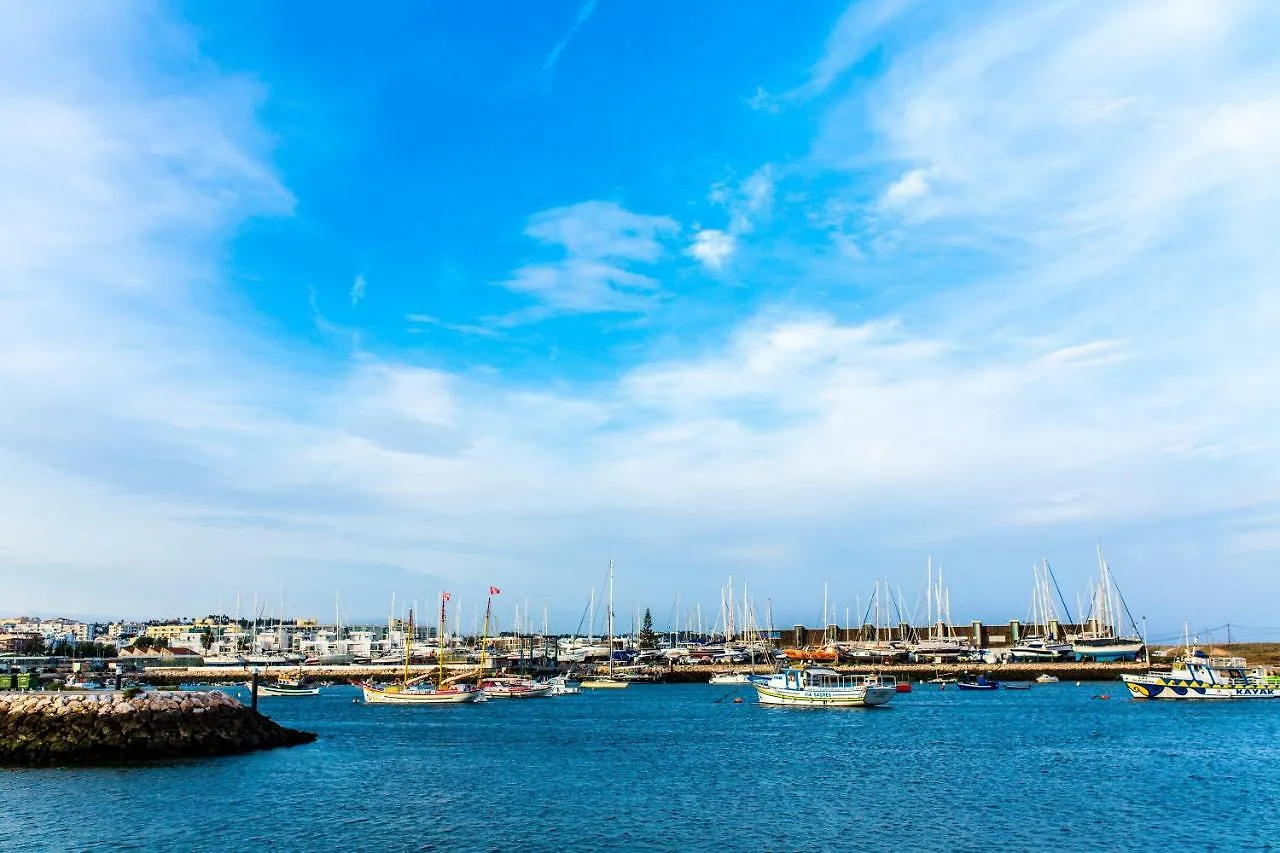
point(584, 12)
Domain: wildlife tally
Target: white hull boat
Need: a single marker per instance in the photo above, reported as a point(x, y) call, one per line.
point(824, 688)
point(730, 678)
point(515, 689)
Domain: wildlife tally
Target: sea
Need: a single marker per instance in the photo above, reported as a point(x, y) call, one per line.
point(689, 767)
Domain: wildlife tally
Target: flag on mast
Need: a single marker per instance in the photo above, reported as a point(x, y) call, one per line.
point(493, 590)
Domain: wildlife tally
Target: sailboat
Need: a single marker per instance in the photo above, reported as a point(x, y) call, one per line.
point(608, 682)
point(1044, 645)
point(1102, 641)
point(418, 691)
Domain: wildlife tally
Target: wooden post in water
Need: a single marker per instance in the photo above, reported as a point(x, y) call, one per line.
point(253, 690)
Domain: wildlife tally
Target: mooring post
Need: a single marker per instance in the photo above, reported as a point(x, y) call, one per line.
point(253, 689)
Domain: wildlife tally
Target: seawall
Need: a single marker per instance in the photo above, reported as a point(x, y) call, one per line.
point(112, 727)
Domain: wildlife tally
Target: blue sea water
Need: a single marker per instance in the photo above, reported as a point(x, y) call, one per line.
point(683, 767)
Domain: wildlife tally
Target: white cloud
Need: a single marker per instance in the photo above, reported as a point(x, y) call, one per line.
point(357, 290)
point(911, 186)
point(713, 248)
point(599, 240)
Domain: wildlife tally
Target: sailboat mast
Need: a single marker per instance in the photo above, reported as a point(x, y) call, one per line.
point(408, 646)
point(444, 600)
point(929, 592)
point(611, 618)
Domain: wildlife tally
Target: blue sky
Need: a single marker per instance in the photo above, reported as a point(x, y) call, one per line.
point(308, 299)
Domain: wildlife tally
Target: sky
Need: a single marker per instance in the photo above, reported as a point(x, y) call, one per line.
point(302, 301)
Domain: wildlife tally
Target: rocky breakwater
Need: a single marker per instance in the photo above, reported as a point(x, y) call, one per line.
point(108, 728)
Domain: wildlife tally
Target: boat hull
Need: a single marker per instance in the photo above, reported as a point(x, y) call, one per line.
point(539, 692)
point(265, 690)
point(1163, 687)
point(603, 684)
point(378, 696)
point(1107, 652)
point(857, 697)
point(730, 678)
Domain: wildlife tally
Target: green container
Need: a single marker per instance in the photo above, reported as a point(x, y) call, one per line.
point(8, 681)
point(25, 681)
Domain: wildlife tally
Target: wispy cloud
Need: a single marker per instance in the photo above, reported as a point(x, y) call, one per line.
point(584, 12)
point(460, 328)
point(747, 203)
point(599, 241)
point(856, 33)
point(357, 290)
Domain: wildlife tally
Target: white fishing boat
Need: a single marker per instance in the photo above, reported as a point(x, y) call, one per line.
point(282, 688)
point(1198, 676)
point(298, 685)
point(824, 688)
point(608, 682)
point(1046, 678)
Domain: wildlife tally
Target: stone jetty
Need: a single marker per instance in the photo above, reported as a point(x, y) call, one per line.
point(42, 728)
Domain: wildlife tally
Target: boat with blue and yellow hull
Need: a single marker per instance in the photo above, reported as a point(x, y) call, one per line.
point(1198, 676)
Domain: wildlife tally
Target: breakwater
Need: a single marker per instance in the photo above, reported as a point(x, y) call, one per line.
point(114, 727)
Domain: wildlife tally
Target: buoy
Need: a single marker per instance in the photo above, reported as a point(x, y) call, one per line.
point(737, 701)
point(1077, 684)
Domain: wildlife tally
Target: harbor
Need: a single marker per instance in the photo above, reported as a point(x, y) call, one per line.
point(679, 767)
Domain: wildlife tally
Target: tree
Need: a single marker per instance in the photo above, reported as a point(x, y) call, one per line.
point(648, 639)
point(206, 639)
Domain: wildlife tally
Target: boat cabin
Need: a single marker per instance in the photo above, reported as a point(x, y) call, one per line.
point(825, 679)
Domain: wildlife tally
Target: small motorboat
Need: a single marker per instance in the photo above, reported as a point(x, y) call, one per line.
point(730, 678)
point(287, 687)
point(979, 683)
point(903, 687)
point(1047, 679)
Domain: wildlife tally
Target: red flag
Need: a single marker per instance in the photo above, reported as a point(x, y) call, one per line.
point(493, 590)
point(446, 596)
